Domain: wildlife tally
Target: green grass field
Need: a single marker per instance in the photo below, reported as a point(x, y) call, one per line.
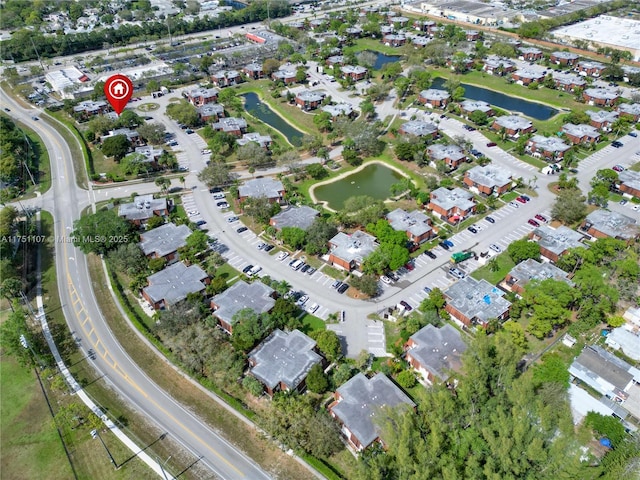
point(29, 442)
point(505, 264)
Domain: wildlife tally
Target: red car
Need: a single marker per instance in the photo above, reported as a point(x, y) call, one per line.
point(491, 144)
point(531, 221)
point(521, 200)
point(541, 218)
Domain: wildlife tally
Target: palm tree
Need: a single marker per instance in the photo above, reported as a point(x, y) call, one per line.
point(183, 181)
point(163, 183)
point(283, 287)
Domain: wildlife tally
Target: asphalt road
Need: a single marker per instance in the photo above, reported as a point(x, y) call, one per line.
point(64, 200)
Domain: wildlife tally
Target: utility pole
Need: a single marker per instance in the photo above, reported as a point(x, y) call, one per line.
point(37, 54)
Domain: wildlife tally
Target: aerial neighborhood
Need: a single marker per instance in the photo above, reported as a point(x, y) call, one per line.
point(325, 239)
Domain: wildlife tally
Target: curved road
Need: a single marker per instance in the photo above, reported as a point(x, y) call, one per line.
point(64, 200)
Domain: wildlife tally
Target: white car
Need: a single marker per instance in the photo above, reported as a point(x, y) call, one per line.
point(302, 300)
point(495, 248)
point(385, 279)
point(313, 308)
point(282, 255)
point(192, 213)
point(514, 204)
point(477, 227)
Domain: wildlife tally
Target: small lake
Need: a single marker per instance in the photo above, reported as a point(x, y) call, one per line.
point(261, 111)
point(382, 59)
point(234, 4)
point(373, 180)
point(506, 102)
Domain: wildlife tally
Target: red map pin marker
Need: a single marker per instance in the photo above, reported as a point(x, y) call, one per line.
point(118, 90)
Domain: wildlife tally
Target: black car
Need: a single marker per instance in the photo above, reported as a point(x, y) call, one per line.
point(430, 254)
point(343, 288)
point(472, 230)
point(525, 197)
point(268, 248)
point(242, 229)
point(617, 144)
point(304, 268)
point(490, 219)
point(444, 245)
point(393, 276)
point(247, 269)
point(476, 153)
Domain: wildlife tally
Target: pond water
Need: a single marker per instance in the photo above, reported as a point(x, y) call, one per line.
point(373, 180)
point(506, 102)
point(261, 111)
point(235, 4)
point(382, 59)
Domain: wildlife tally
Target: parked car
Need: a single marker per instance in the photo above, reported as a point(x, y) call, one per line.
point(456, 273)
point(222, 205)
point(247, 269)
point(232, 219)
point(491, 144)
point(618, 168)
point(476, 153)
point(490, 219)
point(526, 198)
point(304, 268)
point(444, 245)
point(406, 306)
point(449, 243)
point(521, 200)
point(430, 254)
point(635, 208)
point(385, 279)
point(189, 131)
point(311, 271)
point(472, 230)
point(242, 229)
point(531, 221)
point(282, 255)
point(495, 248)
point(393, 276)
point(514, 204)
point(426, 290)
point(313, 308)
point(218, 196)
point(541, 218)
point(302, 300)
point(268, 247)
point(343, 288)
point(573, 170)
point(336, 284)
point(633, 134)
point(617, 144)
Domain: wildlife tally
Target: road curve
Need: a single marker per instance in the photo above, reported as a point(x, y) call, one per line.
point(85, 319)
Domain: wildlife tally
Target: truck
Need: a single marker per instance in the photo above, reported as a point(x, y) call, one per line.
point(461, 256)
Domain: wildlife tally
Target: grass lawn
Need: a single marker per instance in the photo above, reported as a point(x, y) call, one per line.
point(509, 196)
point(373, 45)
point(635, 167)
point(505, 264)
point(311, 324)
point(228, 272)
point(31, 447)
point(73, 139)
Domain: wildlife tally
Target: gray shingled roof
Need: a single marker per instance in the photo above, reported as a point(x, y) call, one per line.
point(614, 224)
point(630, 178)
point(339, 109)
point(150, 153)
point(580, 130)
point(300, 217)
point(419, 128)
point(477, 299)
point(530, 74)
point(489, 176)
point(473, 105)
point(601, 93)
point(353, 69)
point(602, 115)
point(355, 247)
point(495, 62)
point(513, 122)
point(448, 199)
point(261, 187)
point(525, 50)
point(90, 106)
point(362, 400)
point(435, 94)
point(438, 350)
point(630, 108)
point(253, 67)
point(531, 269)
point(589, 64)
point(164, 240)
point(549, 144)
point(175, 282)
point(558, 240)
point(241, 295)
point(230, 124)
point(440, 152)
point(311, 95)
point(415, 222)
point(566, 55)
point(601, 370)
point(284, 357)
point(210, 109)
point(568, 78)
point(203, 92)
point(333, 59)
point(142, 207)
point(262, 140)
